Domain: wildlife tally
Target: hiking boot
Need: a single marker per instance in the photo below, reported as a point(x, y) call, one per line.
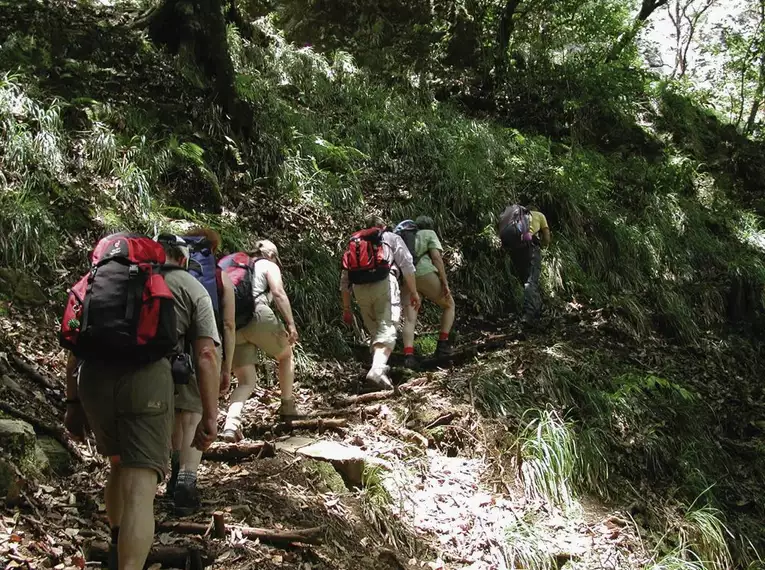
point(378, 378)
point(410, 362)
point(186, 499)
point(175, 467)
point(232, 435)
point(288, 410)
point(443, 349)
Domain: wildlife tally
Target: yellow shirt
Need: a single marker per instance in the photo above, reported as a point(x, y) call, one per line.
point(538, 222)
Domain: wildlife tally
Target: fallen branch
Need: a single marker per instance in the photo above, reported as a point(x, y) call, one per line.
point(59, 434)
point(319, 424)
point(377, 396)
point(166, 556)
point(406, 434)
point(442, 421)
point(219, 451)
point(34, 374)
point(272, 536)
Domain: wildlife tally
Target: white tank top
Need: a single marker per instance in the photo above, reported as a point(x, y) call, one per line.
point(260, 290)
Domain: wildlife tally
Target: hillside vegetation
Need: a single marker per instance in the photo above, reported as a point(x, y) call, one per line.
point(647, 382)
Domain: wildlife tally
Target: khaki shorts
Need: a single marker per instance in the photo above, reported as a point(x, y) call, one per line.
point(130, 411)
point(429, 286)
point(265, 332)
point(380, 305)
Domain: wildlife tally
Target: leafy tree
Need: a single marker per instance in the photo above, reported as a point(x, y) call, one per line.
point(686, 16)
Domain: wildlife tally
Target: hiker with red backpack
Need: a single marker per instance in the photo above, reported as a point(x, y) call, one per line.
point(523, 233)
point(185, 459)
point(372, 263)
point(432, 283)
point(125, 320)
point(258, 282)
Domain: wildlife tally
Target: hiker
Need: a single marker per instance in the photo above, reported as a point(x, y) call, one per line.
point(523, 233)
point(185, 459)
point(372, 263)
point(126, 378)
point(259, 327)
point(432, 283)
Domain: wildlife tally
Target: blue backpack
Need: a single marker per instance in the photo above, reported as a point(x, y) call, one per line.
point(200, 251)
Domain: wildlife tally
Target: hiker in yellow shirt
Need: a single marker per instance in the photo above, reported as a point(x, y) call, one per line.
point(523, 233)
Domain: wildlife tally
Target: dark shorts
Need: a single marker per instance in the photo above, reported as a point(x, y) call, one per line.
point(130, 411)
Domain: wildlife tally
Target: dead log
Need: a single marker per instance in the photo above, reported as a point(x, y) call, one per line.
point(166, 556)
point(220, 451)
point(405, 434)
point(377, 396)
point(319, 424)
point(271, 536)
point(442, 420)
point(33, 374)
point(219, 524)
point(57, 433)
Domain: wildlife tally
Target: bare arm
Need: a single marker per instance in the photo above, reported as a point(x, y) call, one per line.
point(229, 324)
point(438, 261)
point(346, 296)
point(545, 237)
point(208, 377)
point(71, 377)
point(276, 286)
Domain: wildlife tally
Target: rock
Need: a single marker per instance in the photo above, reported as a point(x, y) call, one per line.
point(10, 383)
point(240, 512)
point(7, 476)
point(347, 460)
point(17, 438)
point(57, 455)
point(40, 461)
point(21, 287)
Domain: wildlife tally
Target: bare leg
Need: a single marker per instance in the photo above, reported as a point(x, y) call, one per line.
point(190, 457)
point(286, 373)
point(113, 494)
point(246, 381)
point(137, 486)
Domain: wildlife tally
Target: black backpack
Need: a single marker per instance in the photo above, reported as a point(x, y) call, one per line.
point(408, 232)
point(515, 227)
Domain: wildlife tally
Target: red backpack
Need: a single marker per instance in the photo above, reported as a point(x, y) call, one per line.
point(239, 267)
point(366, 258)
point(122, 309)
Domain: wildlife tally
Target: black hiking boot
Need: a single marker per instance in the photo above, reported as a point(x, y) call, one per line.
point(410, 362)
point(443, 349)
point(186, 499)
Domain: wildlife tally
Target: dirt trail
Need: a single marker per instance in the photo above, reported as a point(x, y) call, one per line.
point(433, 494)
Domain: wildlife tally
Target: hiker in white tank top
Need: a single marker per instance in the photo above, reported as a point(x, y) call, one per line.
point(267, 333)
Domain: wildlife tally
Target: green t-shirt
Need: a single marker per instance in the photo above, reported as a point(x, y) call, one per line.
point(423, 243)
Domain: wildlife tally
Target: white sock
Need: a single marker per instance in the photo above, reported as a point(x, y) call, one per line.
point(233, 418)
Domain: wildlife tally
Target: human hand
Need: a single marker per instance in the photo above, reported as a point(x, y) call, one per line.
point(225, 381)
point(292, 335)
point(445, 291)
point(348, 317)
point(75, 421)
point(416, 301)
point(207, 431)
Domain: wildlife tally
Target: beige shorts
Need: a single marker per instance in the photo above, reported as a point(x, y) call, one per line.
point(429, 286)
point(130, 411)
point(380, 305)
point(265, 332)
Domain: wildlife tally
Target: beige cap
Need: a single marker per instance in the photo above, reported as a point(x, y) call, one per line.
point(267, 248)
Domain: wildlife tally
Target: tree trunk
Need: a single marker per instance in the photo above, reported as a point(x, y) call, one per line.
point(647, 8)
point(757, 99)
point(504, 32)
point(201, 26)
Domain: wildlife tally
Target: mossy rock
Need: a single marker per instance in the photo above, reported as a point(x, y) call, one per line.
point(21, 287)
point(327, 474)
point(18, 439)
point(57, 456)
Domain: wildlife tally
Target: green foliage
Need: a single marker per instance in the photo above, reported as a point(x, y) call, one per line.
point(527, 546)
